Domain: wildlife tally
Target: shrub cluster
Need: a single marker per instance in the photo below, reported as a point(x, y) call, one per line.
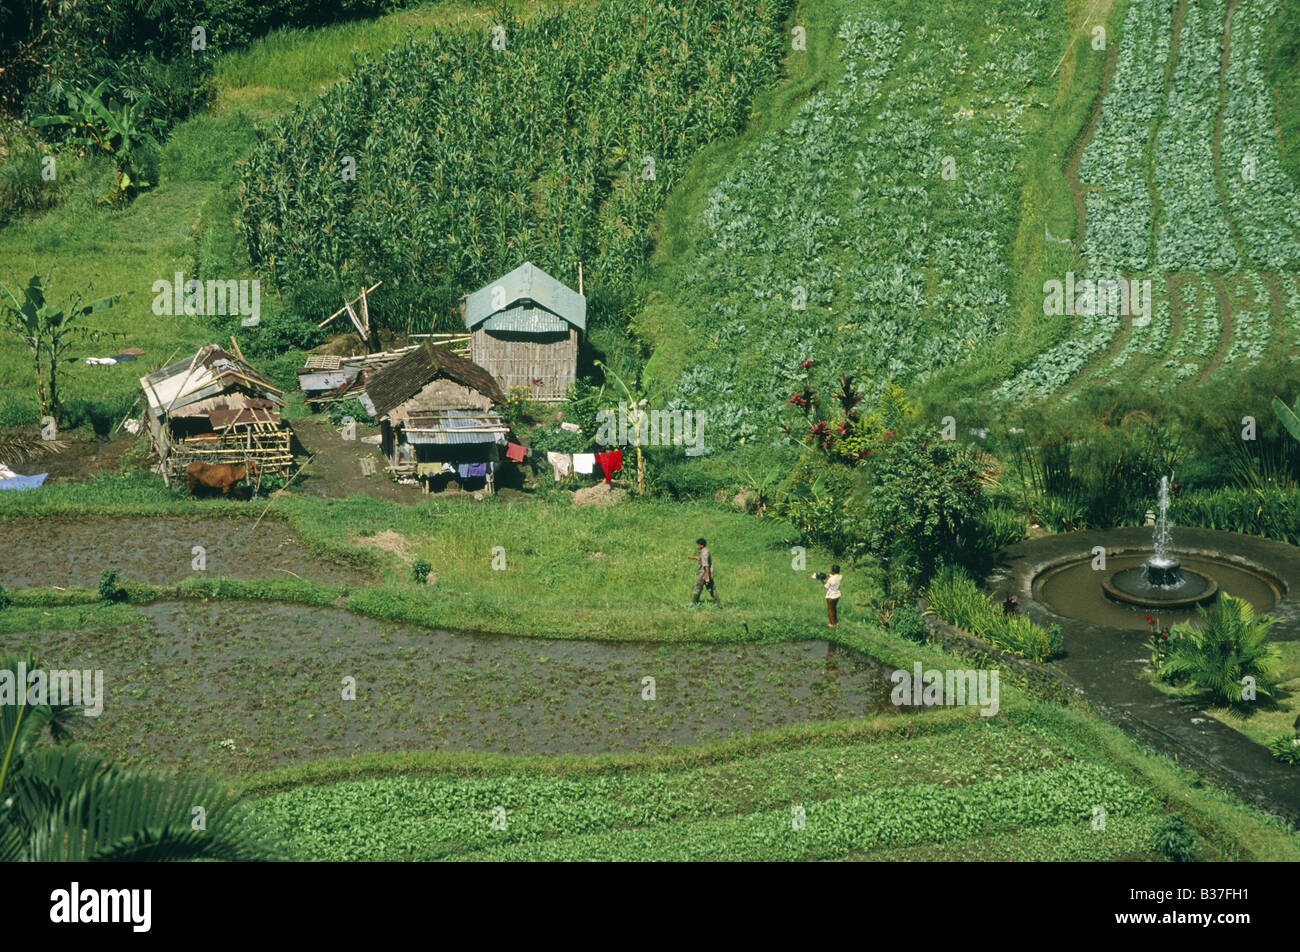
point(954, 596)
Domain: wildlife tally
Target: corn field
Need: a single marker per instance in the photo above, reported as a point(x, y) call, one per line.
point(470, 159)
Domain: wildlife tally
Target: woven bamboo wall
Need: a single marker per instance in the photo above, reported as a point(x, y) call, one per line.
point(517, 360)
point(269, 446)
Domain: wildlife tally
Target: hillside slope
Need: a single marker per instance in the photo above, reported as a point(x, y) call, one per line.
point(873, 230)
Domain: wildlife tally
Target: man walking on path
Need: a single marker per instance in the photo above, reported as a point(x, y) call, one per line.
point(705, 576)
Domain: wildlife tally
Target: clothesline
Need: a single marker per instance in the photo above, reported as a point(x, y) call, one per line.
point(565, 464)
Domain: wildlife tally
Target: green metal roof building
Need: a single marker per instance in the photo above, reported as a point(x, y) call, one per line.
point(524, 329)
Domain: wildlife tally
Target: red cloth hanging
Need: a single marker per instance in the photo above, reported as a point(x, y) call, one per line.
point(515, 452)
point(611, 462)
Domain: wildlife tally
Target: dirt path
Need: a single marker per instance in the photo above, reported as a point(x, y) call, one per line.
point(83, 456)
point(1074, 156)
point(336, 470)
point(1175, 323)
point(1216, 146)
point(1176, 30)
point(1225, 330)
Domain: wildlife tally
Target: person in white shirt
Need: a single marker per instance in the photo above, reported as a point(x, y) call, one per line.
point(832, 584)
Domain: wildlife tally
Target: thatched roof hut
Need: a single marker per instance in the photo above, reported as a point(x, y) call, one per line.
point(437, 413)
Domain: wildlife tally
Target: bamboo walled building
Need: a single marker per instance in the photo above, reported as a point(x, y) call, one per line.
point(438, 417)
point(525, 329)
point(214, 407)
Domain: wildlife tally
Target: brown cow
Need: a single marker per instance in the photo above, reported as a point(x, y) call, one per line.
point(217, 475)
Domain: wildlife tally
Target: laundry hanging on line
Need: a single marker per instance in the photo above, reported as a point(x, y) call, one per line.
point(561, 463)
point(584, 462)
point(611, 461)
point(515, 452)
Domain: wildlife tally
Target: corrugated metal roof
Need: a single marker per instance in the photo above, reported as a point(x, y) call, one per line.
point(527, 283)
point(527, 320)
point(454, 426)
point(209, 372)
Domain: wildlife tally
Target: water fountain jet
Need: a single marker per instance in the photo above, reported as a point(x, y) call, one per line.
point(1160, 582)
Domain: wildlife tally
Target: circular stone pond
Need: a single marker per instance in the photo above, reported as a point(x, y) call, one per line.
point(1077, 590)
point(1056, 577)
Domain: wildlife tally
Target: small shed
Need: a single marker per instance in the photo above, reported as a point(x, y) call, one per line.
point(326, 378)
point(325, 373)
point(525, 329)
point(438, 417)
point(214, 407)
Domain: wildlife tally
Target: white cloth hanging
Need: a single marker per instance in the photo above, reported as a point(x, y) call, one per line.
point(562, 463)
point(584, 462)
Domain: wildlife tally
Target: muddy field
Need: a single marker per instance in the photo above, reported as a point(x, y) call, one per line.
point(239, 686)
point(156, 549)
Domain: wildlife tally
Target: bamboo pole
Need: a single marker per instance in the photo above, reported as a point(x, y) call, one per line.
point(285, 486)
point(189, 373)
point(128, 412)
point(346, 304)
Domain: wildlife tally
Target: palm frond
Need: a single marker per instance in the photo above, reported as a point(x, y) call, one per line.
point(71, 806)
point(16, 449)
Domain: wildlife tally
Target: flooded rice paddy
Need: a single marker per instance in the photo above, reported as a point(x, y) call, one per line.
point(159, 550)
point(241, 686)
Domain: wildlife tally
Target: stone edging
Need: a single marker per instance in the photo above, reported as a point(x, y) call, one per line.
point(1041, 678)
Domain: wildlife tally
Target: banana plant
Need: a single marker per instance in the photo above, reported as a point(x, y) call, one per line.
point(117, 129)
point(1289, 416)
point(47, 331)
point(763, 485)
point(637, 417)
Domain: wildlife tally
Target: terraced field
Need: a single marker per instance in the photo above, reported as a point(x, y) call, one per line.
point(1015, 791)
point(871, 232)
point(1183, 185)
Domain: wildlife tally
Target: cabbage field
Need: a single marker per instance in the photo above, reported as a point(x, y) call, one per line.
point(872, 234)
point(1184, 185)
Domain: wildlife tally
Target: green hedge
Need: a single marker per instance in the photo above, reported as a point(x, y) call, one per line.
point(954, 596)
point(1274, 514)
